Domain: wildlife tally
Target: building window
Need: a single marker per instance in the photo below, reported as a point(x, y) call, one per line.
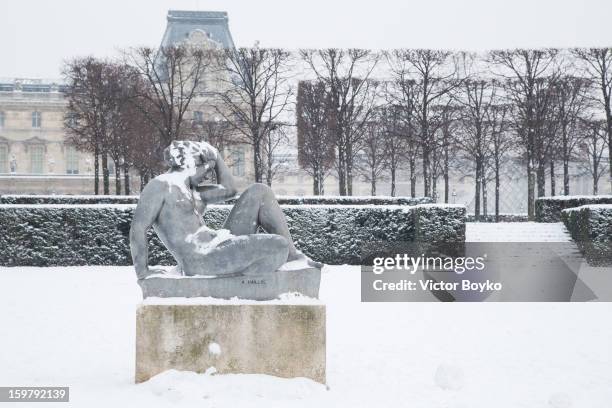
point(4, 159)
point(238, 158)
point(36, 119)
point(72, 160)
point(37, 154)
point(1, 120)
point(198, 117)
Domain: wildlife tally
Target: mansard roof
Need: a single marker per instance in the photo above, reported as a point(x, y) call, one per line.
point(181, 23)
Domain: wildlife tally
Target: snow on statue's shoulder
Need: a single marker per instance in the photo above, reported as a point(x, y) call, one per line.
point(177, 179)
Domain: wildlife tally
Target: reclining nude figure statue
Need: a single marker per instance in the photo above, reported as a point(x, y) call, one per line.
point(236, 260)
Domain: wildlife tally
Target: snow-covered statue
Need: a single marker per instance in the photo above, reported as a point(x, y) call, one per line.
point(13, 164)
point(234, 261)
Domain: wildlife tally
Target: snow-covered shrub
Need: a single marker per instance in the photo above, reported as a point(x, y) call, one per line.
point(67, 199)
point(548, 209)
point(439, 222)
point(47, 235)
point(591, 227)
point(352, 200)
point(288, 200)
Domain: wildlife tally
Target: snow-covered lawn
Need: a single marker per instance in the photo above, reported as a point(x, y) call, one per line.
point(75, 327)
point(516, 232)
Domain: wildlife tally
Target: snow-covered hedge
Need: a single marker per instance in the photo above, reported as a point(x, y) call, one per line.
point(591, 227)
point(548, 209)
point(289, 200)
point(504, 217)
point(47, 235)
point(67, 199)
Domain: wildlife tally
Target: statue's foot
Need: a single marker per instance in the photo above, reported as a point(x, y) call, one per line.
point(299, 256)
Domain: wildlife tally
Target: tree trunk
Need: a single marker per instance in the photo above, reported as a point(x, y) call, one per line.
point(393, 181)
point(96, 171)
point(373, 187)
point(434, 189)
point(426, 186)
point(541, 176)
point(117, 178)
point(530, 189)
point(257, 160)
point(126, 179)
point(552, 179)
point(608, 110)
point(341, 170)
point(477, 191)
point(566, 186)
point(105, 175)
point(497, 191)
point(446, 186)
point(595, 165)
point(485, 211)
point(412, 178)
point(269, 175)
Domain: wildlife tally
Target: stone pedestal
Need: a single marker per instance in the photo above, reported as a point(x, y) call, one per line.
point(283, 340)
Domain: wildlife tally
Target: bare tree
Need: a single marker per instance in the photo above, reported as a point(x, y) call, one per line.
point(523, 70)
point(315, 144)
point(501, 143)
point(83, 117)
point(394, 138)
point(174, 77)
point(591, 150)
point(351, 92)
point(571, 101)
point(256, 92)
point(444, 145)
point(274, 142)
point(423, 78)
point(373, 158)
point(217, 132)
point(598, 64)
point(477, 98)
point(97, 117)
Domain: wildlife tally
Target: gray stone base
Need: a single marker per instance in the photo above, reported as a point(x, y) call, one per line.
point(261, 287)
point(276, 339)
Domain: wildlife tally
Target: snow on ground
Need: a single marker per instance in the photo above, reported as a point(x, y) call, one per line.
point(76, 326)
point(516, 232)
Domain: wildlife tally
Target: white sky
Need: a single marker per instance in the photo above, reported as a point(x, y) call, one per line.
point(36, 36)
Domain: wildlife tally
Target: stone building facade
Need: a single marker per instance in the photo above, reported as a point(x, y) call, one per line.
point(34, 159)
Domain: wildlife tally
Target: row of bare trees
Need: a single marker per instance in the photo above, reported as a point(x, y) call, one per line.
point(438, 111)
point(358, 113)
point(130, 110)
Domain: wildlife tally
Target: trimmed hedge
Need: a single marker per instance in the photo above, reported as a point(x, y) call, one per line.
point(67, 199)
point(548, 209)
point(287, 200)
point(591, 227)
point(63, 235)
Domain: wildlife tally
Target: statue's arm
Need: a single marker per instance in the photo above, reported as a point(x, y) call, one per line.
point(226, 187)
point(148, 208)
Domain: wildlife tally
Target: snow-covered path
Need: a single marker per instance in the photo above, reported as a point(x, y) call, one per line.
point(76, 326)
point(516, 232)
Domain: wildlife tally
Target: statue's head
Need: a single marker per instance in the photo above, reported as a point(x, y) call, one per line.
point(182, 155)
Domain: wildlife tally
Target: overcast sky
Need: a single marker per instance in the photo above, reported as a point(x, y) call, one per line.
point(36, 36)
